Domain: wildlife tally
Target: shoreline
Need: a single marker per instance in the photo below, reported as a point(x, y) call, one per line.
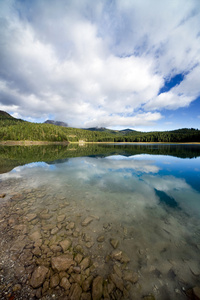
point(38, 143)
point(31, 143)
point(126, 143)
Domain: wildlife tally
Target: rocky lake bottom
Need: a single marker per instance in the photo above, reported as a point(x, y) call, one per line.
point(73, 243)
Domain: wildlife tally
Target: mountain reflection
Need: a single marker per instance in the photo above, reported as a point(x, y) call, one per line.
point(12, 156)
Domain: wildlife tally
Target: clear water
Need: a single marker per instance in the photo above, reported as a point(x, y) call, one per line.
point(150, 203)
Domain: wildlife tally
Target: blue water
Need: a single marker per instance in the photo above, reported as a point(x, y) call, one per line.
point(151, 201)
point(166, 180)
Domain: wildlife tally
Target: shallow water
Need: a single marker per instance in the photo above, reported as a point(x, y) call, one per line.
point(149, 203)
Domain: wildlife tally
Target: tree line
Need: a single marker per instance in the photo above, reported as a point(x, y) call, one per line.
point(19, 130)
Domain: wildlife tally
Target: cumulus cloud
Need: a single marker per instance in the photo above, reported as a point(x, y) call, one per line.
point(97, 63)
point(179, 96)
point(138, 120)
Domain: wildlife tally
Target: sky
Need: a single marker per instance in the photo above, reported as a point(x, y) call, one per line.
point(107, 63)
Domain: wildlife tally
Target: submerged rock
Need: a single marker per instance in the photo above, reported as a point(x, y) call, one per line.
point(71, 225)
point(38, 293)
point(89, 245)
point(78, 258)
point(78, 278)
point(18, 197)
point(131, 277)
point(75, 292)
point(75, 234)
point(35, 236)
point(85, 263)
point(77, 269)
point(62, 262)
point(54, 281)
point(114, 243)
point(120, 256)
point(101, 239)
point(66, 244)
point(54, 230)
point(107, 226)
point(45, 287)
point(110, 287)
point(30, 217)
point(65, 283)
point(87, 283)
point(194, 267)
point(78, 248)
point(45, 216)
point(16, 287)
point(55, 248)
point(97, 288)
point(18, 246)
point(61, 218)
point(20, 227)
point(19, 271)
point(117, 270)
point(37, 251)
point(86, 296)
point(87, 221)
point(38, 276)
point(196, 292)
point(86, 237)
point(26, 257)
point(105, 290)
point(117, 281)
point(124, 258)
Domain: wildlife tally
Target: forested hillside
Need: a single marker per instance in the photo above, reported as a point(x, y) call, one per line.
point(179, 136)
point(19, 130)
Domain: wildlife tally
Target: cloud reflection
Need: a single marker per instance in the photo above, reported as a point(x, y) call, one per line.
point(10, 175)
point(129, 179)
point(136, 179)
point(178, 189)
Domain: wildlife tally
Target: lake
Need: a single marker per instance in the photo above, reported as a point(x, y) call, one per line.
point(115, 221)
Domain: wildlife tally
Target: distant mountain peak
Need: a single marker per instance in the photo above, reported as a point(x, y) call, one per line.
point(104, 129)
point(97, 128)
point(127, 130)
point(58, 123)
point(5, 115)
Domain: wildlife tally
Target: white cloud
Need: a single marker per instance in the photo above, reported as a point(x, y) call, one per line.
point(97, 63)
point(166, 29)
point(138, 120)
point(179, 96)
point(168, 100)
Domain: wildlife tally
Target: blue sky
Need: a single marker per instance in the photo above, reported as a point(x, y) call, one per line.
point(117, 64)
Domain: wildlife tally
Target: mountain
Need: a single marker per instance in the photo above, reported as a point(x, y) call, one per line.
point(5, 115)
point(125, 131)
point(6, 119)
point(13, 129)
point(57, 123)
point(103, 129)
point(96, 129)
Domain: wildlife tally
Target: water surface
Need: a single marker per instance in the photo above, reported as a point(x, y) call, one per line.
point(147, 197)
